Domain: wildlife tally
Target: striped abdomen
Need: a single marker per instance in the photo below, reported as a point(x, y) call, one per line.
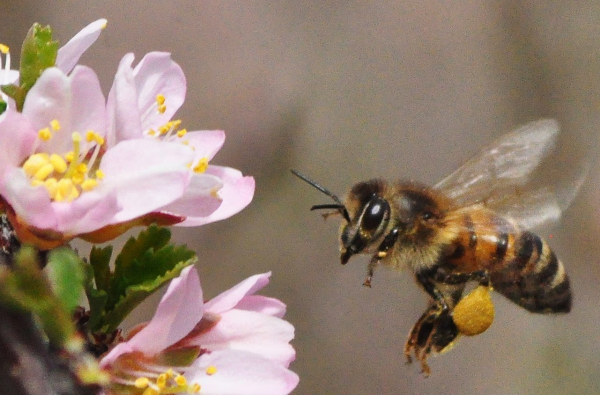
point(521, 266)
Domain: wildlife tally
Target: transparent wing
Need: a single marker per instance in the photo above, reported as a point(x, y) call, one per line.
point(497, 177)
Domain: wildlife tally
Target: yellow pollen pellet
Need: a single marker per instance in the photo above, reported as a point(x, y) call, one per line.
point(160, 98)
point(55, 125)
point(45, 134)
point(99, 174)
point(201, 166)
point(141, 382)
point(162, 108)
point(211, 370)
point(180, 381)
point(4, 48)
point(161, 381)
point(181, 133)
point(89, 184)
point(44, 172)
point(60, 166)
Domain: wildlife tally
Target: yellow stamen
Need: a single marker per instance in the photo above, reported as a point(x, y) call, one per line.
point(99, 174)
point(55, 125)
point(89, 184)
point(4, 48)
point(35, 183)
point(161, 381)
point(164, 129)
point(69, 156)
point(34, 163)
point(176, 123)
point(93, 136)
point(51, 185)
point(201, 166)
point(211, 370)
point(141, 382)
point(60, 165)
point(162, 108)
point(196, 388)
point(152, 132)
point(45, 134)
point(180, 381)
point(160, 99)
point(150, 391)
point(181, 133)
point(44, 172)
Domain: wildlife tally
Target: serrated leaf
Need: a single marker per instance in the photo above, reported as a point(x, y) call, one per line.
point(37, 54)
point(100, 261)
point(96, 300)
point(66, 276)
point(135, 294)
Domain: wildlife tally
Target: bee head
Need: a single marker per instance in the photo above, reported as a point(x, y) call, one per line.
point(369, 215)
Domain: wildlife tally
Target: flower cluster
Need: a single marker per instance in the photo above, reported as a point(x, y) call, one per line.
point(236, 343)
point(83, 165)
point(77, 163)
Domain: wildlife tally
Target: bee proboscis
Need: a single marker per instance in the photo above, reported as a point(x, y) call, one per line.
point(473, 226)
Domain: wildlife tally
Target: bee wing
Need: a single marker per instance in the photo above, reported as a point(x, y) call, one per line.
point(497, 176)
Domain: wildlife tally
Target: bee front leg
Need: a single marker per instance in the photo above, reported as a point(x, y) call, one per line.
point(382, 251)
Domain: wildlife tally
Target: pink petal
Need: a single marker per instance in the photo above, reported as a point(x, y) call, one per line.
point(237, 193)
point(250, 331)
point(69, 54)
point(243, 373)
point(76, 101)
point(123, 114)
point(198, 200)
point(230, 298)
point(17, 133)
point(262, 304)
point(158, 74)
point(146, 174)
point(89, 212)
point(179, 310)
point(206, 143)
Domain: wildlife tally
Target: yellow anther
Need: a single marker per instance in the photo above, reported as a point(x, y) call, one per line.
point(150, 391)
point(4, 48)
point(34, 163)
point(51, 185)
point(55, 125)
point(201, 166)
point(160, 99)
point(164, 129)
point(162, 108)
point(69, 156)
point(176, 123)
point(44, 172)
point(180, 381)
point(170, 373)
point(161, 381)
point(81, 168)
point(35, 183)
point(196, 388)
point(66, 191)
point(141, 382)
point(93, 136)
point(60, 166)
point(78, 179)
point(89, 184)
point(99, 174)
point(181, 133)
point(211, 370)
point(45, 134)
point(152, 132)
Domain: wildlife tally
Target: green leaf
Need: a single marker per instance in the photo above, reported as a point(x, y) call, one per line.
point(144, 264)
point(3, 106)
point(66, 275)
point(37, 54)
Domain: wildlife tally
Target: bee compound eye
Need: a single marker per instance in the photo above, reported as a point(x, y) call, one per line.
point(374, 214)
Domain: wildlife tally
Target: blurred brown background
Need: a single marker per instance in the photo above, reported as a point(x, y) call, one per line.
point(348, 90)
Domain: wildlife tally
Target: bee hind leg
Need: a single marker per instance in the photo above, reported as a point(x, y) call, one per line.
point(434, 332)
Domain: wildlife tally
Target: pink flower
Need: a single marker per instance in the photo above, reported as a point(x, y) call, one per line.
point(242, 342)
point(59, 178)
point(141, 103)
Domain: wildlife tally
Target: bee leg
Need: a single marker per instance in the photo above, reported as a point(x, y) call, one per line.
point(387, 243)
point(433, 333)
point(425, 279)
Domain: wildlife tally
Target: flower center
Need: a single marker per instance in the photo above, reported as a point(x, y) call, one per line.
point(171, 132)
point(65, 176)
point(133, 370)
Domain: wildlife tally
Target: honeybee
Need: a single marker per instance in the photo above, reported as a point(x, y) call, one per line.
point(473, 226)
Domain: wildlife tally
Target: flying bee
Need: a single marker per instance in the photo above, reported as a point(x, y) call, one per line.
point(473, 226)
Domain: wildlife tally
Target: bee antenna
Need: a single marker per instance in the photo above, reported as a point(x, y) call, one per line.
point(339, 206)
